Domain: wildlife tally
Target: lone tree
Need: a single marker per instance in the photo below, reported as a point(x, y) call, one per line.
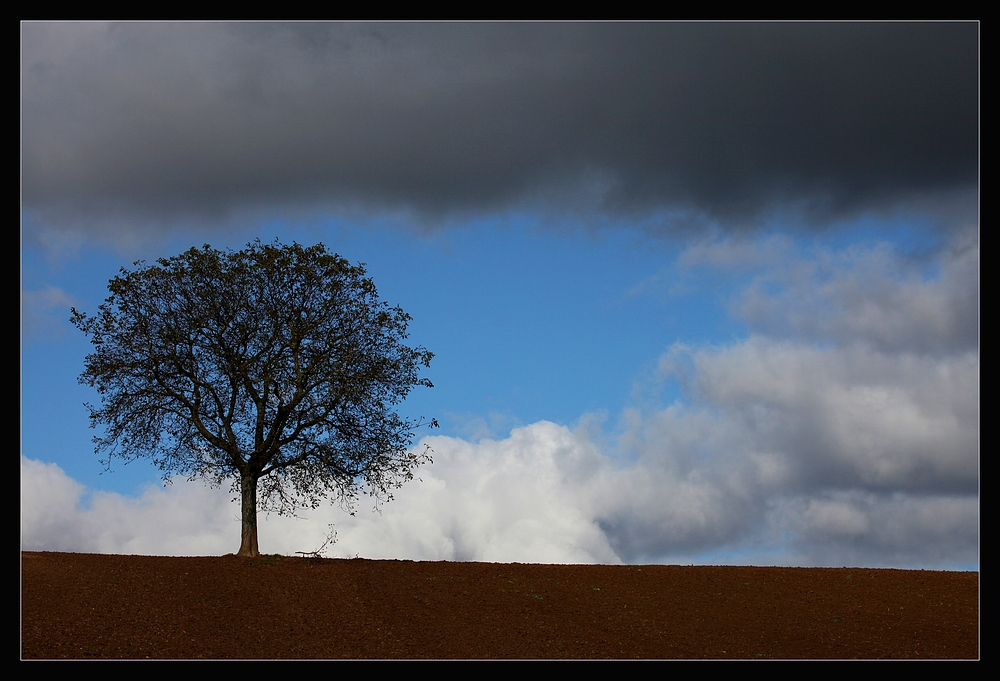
point(275, 367)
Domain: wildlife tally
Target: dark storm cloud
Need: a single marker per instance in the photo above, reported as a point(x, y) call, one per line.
point(728, 120)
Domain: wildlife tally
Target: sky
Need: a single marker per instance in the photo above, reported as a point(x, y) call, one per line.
point(698, 293)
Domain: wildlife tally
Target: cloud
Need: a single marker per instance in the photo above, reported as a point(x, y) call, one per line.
point(174, 123)
point(45, 311)
point(699, 484)
point(774, 431)
point(845, 426)
point(735, 253)
point(850, 443)
point(545, 494)
point(887, 530)
point(517, 499)
point(512, 500)
point(871, 296)
point(49, 505)
point(57, 514)
point(854, 415)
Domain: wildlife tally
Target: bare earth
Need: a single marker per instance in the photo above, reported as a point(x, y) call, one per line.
point(101, 606)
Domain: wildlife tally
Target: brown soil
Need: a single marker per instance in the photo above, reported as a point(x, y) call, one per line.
point(101, 606)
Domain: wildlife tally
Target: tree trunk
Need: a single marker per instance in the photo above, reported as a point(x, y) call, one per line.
point(248, 543)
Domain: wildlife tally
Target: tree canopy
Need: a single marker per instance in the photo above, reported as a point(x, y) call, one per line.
point(276, 367)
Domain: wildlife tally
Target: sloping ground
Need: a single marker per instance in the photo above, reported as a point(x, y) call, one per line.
point(102, 606)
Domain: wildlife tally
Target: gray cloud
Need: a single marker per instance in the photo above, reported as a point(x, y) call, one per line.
point(845, 428)
point(821, 454)
point(169, 122)
point(856, 527)
point(872, 297)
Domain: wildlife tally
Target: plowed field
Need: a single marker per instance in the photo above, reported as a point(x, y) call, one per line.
point(106, 606)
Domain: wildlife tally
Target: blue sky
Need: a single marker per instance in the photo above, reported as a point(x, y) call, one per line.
point(640, 356)
point(527, 324)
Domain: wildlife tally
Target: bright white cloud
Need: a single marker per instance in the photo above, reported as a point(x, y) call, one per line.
point(520, 499)
point(516, 500)
point(181, 519)
point(49, 508)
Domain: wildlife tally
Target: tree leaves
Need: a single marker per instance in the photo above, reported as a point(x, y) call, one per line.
point(275, 362)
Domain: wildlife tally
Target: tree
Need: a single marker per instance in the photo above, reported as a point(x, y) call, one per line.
point(275, 367)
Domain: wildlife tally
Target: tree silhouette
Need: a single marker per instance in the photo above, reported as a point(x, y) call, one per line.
point(276, 367)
